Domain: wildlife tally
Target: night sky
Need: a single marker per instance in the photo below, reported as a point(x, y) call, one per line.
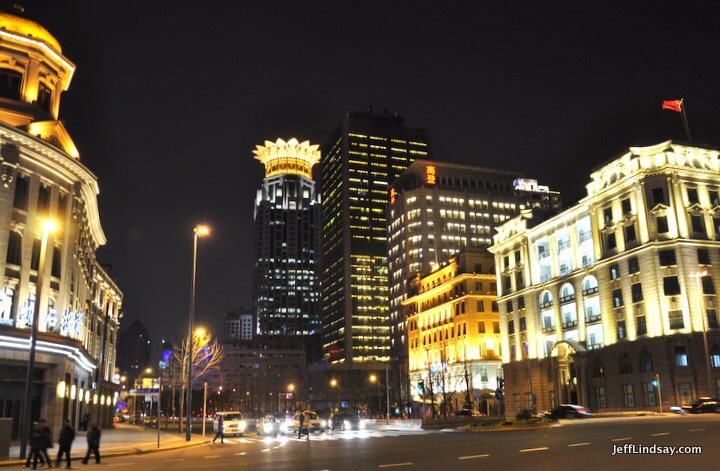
point(170, 98)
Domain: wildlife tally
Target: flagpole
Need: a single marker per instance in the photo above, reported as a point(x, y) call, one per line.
point(685, 121)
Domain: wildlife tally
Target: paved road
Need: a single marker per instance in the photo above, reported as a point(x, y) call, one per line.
point(571, 445)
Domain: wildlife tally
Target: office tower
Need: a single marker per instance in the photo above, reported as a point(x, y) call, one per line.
point(239, 325)
point(366, 153)
point(612, 303)
point(287, 218)
point(436, 210)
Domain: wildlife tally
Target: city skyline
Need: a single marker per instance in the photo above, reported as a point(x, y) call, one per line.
point(587, 97)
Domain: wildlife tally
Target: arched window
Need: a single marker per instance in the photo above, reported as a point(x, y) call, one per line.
point(567, 293)
point(625, 364)
point(598, 369)
point(646, 364)
point(589, 285)
point(14, 253)
point(546, 299)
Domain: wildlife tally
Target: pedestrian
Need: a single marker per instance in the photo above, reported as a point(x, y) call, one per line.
point(219, 431)
point(302, 428)
point(84, 422)
point(46, 442)
point(65, 440)
point(35, 443)
point(93, 441)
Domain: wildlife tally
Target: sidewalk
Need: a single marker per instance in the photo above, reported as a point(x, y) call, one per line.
point(120, 441)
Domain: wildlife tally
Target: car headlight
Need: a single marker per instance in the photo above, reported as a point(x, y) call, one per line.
point(363, 423)
point(241, 425)
point(346, 423)
point(323, 423)
point(267, 427)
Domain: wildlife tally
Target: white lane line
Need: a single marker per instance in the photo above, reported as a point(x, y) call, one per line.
point(209, 457)
point(660, 434)
point(621, 439)
point(390, 465)
point(696, 429)
point(175, 459)
point(579, 444)
point(264, 450)
point(276, 447)
point(472, 457)
point(242, 453)
point(528, 450)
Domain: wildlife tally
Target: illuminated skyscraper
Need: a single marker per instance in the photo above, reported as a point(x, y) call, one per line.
point(287, 217)
point(362, 158)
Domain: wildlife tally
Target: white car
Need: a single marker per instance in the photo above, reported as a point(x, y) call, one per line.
point(233, 423)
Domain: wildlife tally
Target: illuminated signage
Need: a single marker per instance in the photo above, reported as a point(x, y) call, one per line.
point(430, 174)
point(393, 195)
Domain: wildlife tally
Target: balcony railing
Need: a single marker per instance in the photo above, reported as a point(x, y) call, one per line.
point(589, 291)
point(568, 298)
point(569, 324)
point(563, 244)
point(584, 235)
point(543, 255)
point(592, 318)
point(594, 346)
point(544, 304)
point(548, 328)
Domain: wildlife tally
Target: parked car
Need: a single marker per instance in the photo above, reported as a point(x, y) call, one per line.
point(233, 423)
point(347, 422)
point(270, 425)
point(568, 411)
point(704, 405)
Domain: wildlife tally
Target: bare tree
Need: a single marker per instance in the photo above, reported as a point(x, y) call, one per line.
point(207, 353)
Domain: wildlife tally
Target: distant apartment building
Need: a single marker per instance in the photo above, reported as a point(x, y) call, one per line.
point(454, 352)
point(437, 209)
point(612, 303)
point(362, 158)
point(239, 325)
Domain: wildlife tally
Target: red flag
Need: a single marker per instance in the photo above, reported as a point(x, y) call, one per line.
point(674, 105)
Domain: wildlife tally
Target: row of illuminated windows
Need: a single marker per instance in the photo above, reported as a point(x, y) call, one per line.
point(14, 253)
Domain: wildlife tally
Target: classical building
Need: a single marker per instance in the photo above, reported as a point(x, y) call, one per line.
point(437, 209)
point(453, 334)
point(287, 228)
point(608, 303)
point(133, 351)
point(362, 158)
point(42, 179)
point(239, 325)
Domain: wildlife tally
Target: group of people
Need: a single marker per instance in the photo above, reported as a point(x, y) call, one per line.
point(41, 439)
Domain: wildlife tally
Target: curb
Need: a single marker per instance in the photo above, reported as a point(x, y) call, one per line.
point(509, 429)
point(119, 453)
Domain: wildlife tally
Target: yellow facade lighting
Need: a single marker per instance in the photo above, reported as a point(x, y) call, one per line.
point(73, 392)
point(87, 397)
point(373, 378)
point(60, 390)
point(333, 383)
point(49, 226)
point(290, 157)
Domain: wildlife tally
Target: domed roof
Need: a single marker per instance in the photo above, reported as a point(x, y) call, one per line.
point(25, 27)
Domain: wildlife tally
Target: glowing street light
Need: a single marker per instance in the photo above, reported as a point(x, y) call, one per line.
point(201, 230)
point(48, 226)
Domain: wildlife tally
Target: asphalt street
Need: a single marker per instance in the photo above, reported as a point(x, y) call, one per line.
point(572, 445)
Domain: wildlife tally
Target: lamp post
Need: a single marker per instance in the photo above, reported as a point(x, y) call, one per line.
point(334, 385)
point(291, 391)
point(48, 226)
point(374, 380)
point(198, 231)
point(698, 277)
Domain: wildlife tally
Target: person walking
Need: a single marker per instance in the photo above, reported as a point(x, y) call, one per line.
point(65, 440)
point(219, 431)
point(302, 426)
point(46, 442)
point(93, 441)
point(35, 443)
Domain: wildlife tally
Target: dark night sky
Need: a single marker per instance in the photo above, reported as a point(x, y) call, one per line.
point(169, 99)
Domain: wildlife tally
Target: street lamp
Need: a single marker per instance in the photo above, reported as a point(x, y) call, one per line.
point(291, 390)
point(48, 227)
point(698, 277)
point(199, 231)
point(374, 380)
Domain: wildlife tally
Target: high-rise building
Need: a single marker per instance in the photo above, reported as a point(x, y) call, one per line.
point(287, 228)
point(601, 301)
point(133, 350)
point(42, 179)
point(437, 209)
point(366, 153)
point(239, 325)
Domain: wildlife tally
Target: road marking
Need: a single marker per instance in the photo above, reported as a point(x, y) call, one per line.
point(660, 434)
point(472, 457)
point(527, 450)
point(265, 450)
point(579, 444)
point(622, 439)
point(242, 453)
point(209, 457)
point(697, 429)
point(175, 459)
point(408, 463)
